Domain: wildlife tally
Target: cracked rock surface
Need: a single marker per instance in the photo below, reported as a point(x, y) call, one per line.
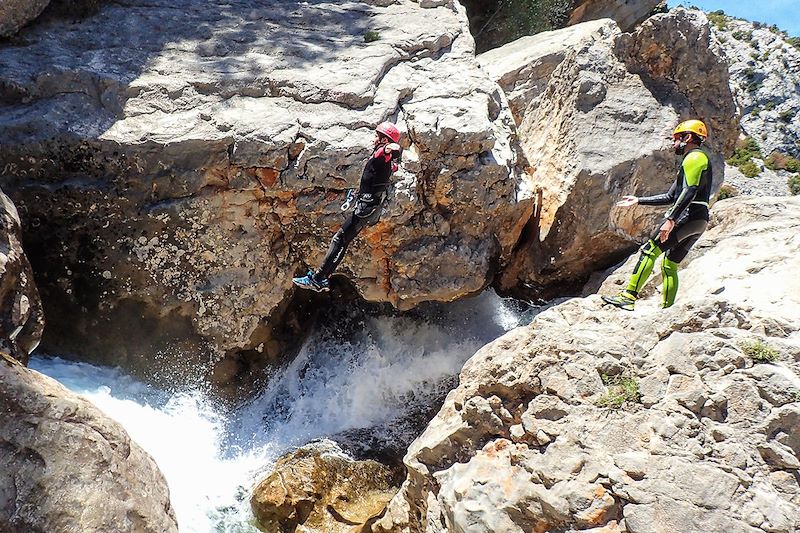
point(65, 466)
point(177, 166)
point(596, 108)
point(708, 442)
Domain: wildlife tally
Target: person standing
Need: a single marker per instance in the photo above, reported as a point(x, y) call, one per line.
point(375, 181)
point(685, 222)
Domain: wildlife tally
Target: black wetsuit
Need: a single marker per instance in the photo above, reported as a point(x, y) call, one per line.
point(375, 181)
point(689, 210)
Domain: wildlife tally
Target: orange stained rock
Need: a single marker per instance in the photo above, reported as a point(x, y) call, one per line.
point(267, 176)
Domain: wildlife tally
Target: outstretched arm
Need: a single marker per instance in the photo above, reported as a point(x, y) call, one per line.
point(660, 199)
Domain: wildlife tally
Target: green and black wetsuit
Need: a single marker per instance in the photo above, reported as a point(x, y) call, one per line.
point(689, 196)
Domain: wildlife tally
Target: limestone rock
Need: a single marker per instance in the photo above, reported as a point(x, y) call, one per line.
point(67, 467)
point(16, 13)
point(320, 488)
point(765, 74)
point(175, 184)
point(600, 129)
point(21, 316)
point(626, 14)
point(708, 450)
point(523, 67)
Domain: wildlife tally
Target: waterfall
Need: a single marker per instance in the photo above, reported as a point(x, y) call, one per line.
point(364, 371)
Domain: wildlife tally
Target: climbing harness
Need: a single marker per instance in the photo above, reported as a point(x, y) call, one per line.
point(348, 202)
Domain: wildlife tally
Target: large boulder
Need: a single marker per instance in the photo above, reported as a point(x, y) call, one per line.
point(175, 184)
point(625, 13)
point(67, 467)
point(595, 419)
point(320, 488)
point(600, 129)
point(21, 315)
point(14, 14)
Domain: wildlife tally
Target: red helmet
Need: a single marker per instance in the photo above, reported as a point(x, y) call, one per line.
point(390, 130)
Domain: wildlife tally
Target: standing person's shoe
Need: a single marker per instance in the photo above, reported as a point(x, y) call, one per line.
point(308, 282)
point(623, 300)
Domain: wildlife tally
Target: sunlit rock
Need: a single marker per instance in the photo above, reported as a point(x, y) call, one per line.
point(598, 127)
point(661, 420)
point(320, 488)
point(65, 466)
point(625, 13)
point(172, 185)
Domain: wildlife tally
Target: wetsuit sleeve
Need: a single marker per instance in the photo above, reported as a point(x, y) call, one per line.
point(693, 166)
point(660, 199)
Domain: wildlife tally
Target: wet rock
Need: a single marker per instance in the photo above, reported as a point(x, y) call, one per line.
point(21, 316)
point(65, 466)
point(320, 488)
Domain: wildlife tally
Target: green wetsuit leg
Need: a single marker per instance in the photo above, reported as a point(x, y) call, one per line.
point(644, 267)
point(669, 269)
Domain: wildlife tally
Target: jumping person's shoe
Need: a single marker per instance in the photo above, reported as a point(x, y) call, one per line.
point(623, 300)
point(308, 282)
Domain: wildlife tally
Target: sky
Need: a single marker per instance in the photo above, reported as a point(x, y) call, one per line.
point(784, 13)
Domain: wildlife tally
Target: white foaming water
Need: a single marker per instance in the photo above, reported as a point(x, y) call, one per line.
point(388, 368)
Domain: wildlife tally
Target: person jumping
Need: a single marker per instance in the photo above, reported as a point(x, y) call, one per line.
point(685, 222)
point(371, 195)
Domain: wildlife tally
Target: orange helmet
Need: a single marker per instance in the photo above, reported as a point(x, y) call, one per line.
point(692, 126)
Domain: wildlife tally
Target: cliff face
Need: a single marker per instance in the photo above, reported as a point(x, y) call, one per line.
point(175, 184)
point(595, 419)
point(765, 80)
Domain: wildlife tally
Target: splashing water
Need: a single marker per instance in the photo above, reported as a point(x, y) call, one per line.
point(384, 369)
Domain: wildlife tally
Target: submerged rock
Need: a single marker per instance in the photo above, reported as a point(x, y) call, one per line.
point(596, 419)
point(66, 467)
point(320, 488)
point(21, 316)
point(597, 127)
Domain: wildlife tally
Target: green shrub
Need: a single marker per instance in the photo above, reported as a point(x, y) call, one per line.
point(780, 161)
point(759, 351)
point(718, 19)
point(794, 41)
point(794, 184)
point(727, 191)
point(787, 116)
point(371, 36)
point(769, 106)
point(749, 169)
point(621, 389)
point(743, 35)
point(743, 155)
